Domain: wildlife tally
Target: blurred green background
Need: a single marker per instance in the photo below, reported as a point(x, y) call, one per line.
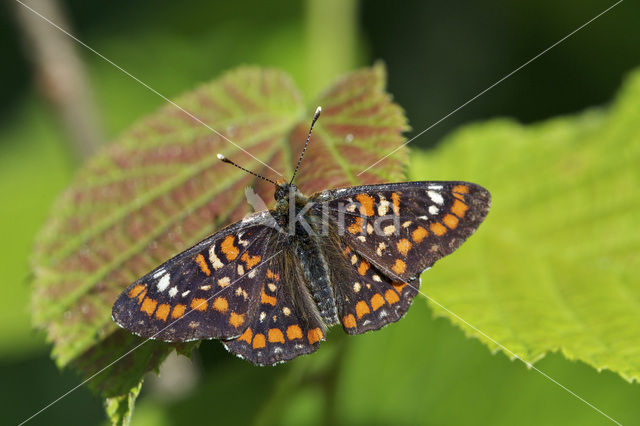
point(438, 56)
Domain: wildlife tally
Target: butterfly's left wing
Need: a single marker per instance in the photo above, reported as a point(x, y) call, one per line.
point(404, 228)
point(207, 291)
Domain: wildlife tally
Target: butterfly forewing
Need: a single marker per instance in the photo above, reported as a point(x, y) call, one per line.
point(403, 228)
point(205, 292)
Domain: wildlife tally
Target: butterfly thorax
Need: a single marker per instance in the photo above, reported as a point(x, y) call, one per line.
point(304, 239)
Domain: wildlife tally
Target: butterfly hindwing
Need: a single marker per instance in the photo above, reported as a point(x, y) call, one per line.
point(403, 228)
point(284, 325)
point(367, 299)
point(204, 292)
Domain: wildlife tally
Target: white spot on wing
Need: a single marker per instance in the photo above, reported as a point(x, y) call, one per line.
point(184, 294)
point(241, 241)
point(383, 206)
point(158, 273)
point(215, 262)
point(435, 197)
point(388, 230)
point(433, 210)
point(173, 291)
point(164, 282)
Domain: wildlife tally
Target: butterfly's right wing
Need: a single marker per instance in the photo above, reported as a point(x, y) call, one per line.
point(207, 291)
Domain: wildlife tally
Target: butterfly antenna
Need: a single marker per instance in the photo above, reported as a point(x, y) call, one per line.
point(226, 160)
point(315, 118)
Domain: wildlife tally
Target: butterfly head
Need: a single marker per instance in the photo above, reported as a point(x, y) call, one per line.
point(283, 188)
point(285, 191)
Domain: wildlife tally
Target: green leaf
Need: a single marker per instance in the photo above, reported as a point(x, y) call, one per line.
point(160, 188)
point(120, 408)
point(554, 266)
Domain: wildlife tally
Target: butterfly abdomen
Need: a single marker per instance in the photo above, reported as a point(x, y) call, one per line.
point(317, 275)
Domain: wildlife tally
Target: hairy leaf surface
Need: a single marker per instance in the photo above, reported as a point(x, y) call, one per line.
point(159, 189)
point(555, 265)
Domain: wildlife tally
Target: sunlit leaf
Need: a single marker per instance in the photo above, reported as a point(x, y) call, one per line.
point(555, 265)
point(159, 188)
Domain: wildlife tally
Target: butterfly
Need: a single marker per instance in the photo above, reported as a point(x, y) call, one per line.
point(270, 285)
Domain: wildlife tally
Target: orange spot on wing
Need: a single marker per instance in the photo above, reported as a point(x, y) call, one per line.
point(142, 295)
point(148, 306)
point(246, 336)
point(136, 290)
point(163, 311)
point(419, 234)
point(377, 301)
point(275, 335)
point(259, 341)
point(349, 321)
point(462, 189)
point(356, 226)
point(203, 264)
point(346, 251)
point(272, 275)
point(266, 299)
point(451, 221)
point(251, 261)
point(314, 335)
point(459, 208)
point(366, 204)
point(220, 304)
point(395, 199)
point(199, 304)
point(178, 311)
point(228, 248)
point(362, 309)
point(236, 320)
point(364, 266)
point(294, 332)
point(391, 296)
point(399, 285)
point(399, 267)
point(404, 246)
point(438, 229)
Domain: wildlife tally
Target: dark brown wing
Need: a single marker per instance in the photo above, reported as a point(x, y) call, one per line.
point(404, 228)
point(207, 291)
